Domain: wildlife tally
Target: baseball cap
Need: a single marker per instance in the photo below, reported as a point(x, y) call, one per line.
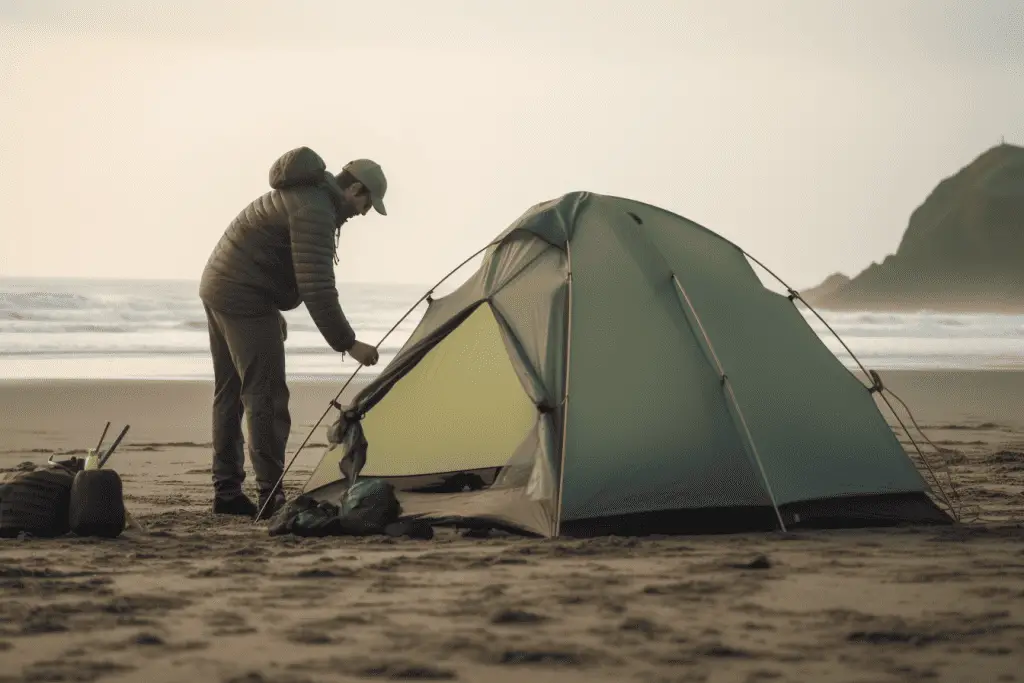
point(370, 174)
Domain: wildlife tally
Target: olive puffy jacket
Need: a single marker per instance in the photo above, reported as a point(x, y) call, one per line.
point(279, 251)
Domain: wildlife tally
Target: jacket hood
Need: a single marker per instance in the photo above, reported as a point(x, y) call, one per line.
point(303, 167)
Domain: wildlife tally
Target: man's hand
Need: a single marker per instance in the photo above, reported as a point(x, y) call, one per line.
point(284, 326)
point(364, 353)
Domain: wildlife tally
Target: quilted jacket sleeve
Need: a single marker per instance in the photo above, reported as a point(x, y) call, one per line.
point(311, 223)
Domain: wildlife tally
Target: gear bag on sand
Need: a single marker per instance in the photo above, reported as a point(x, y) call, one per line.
point(369, 507)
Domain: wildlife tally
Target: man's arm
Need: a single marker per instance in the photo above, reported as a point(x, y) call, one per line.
point(312, 235)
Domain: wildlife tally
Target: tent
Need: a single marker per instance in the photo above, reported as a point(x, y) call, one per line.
point(612, 367)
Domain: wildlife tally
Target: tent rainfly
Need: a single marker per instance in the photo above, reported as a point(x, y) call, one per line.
point(612, 367)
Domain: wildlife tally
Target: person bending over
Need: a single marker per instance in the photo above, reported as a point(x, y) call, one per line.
point(279, 252)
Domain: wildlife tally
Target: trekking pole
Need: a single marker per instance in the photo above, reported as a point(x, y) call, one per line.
point(110, 451)
point(337, 396)
point(99, 444)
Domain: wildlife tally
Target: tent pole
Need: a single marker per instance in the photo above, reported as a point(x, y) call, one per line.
point(565, 388)
point(732, 396)
point(337, 397)
point(793, 295)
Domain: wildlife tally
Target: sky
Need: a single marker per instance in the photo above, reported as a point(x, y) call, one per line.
point(804, 131)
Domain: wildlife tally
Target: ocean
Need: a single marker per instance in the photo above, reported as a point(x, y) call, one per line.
point(132, 329)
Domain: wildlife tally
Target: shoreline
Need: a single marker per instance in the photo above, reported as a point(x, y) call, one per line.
point(130, 369)
point(308, 378)
point(71, 381)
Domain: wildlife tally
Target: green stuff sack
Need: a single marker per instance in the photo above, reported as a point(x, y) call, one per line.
point(371, 502)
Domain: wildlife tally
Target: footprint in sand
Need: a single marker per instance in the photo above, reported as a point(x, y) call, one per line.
point(78, 670)
point(228, 624)
point(518, 616)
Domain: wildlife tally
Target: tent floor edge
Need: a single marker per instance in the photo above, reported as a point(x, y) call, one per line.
point(910, 509)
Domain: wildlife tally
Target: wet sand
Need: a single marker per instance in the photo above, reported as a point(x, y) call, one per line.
point(201, 598)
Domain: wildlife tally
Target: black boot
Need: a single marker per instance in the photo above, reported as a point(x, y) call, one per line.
point(239, 504)
point(277, 501)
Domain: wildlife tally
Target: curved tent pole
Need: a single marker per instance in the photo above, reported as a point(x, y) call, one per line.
point(793, 294)
point(565, 389)
point(876, 385)
point(337, 397)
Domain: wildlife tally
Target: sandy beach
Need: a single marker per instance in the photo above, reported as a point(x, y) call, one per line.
point(201, 598)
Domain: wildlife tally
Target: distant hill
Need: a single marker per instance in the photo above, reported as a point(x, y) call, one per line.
point(963, 249)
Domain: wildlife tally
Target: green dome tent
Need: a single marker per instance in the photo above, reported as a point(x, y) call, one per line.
point(612, 367)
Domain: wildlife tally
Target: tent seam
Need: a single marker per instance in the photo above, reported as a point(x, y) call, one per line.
point(727, 384)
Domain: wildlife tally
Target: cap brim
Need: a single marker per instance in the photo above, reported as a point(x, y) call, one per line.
point(378, 205)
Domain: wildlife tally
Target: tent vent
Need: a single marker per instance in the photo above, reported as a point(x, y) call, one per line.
point(635, 217)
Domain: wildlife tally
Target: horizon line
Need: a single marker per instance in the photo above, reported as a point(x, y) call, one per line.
point(93, 278)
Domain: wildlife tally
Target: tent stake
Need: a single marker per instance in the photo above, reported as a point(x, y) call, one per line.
point(732, 396)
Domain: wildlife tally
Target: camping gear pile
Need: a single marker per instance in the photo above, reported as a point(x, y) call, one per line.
point(368, 508)
point(75, 496)
point(700, 400)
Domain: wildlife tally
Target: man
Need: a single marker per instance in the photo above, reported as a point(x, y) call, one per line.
point(279, 252)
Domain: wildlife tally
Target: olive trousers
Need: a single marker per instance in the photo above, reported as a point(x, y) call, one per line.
point(250, 381)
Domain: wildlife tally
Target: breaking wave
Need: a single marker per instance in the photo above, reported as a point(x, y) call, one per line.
point(65, 322)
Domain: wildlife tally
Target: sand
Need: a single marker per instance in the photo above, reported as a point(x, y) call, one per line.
point(207, 599)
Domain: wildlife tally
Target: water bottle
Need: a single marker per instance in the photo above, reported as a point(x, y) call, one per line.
point(92, 460)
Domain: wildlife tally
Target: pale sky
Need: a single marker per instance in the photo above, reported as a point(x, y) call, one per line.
point(805, 131)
